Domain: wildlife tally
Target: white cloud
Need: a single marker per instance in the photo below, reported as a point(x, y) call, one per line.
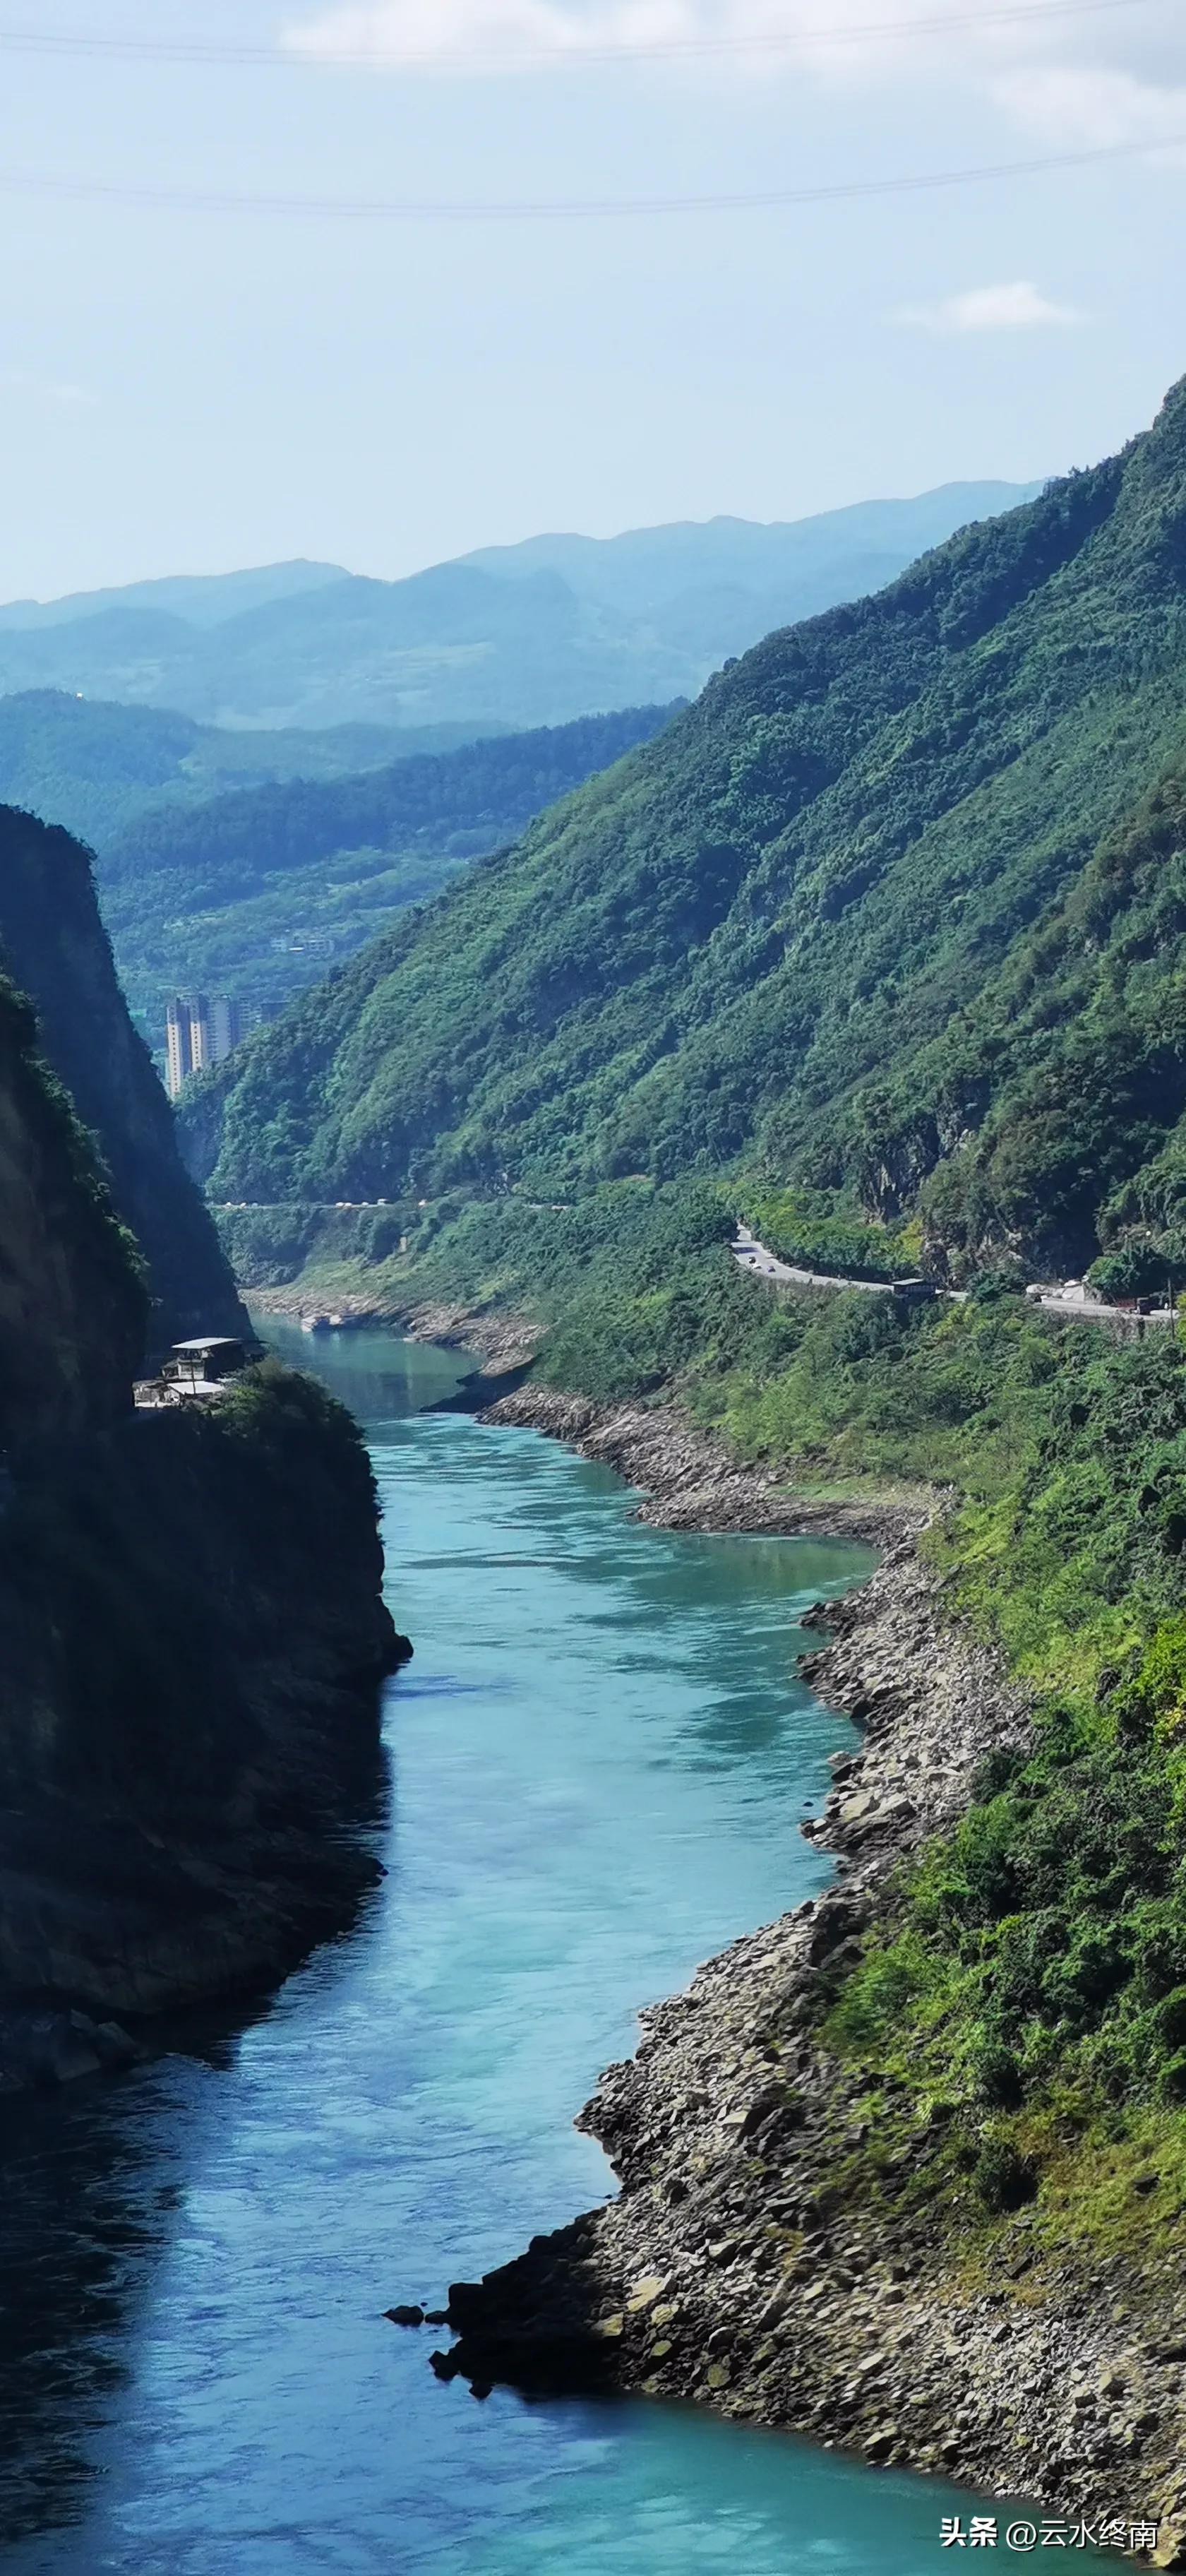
point(1093, 105)
point(1020, 306)
point(492, 35)
point(1111, 73)
point(46, 389)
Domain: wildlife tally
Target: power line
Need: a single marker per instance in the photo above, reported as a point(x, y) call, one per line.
point(474, 210)
point(68, 42)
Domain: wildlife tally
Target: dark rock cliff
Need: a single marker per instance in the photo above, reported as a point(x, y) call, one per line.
point(192, 1629)
point(193, 1634)
point(57, 951)
point(73, 1305)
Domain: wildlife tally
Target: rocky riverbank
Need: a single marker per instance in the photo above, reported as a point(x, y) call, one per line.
point(690, 1479)
point(502, 1341)
point(787, 2244)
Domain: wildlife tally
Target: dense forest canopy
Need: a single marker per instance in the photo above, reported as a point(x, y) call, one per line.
point(256, 892)
point(93, 766)
point(891, 913)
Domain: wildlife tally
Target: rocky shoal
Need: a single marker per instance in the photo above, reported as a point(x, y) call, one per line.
point(690, 1479)
point(745, 2263)
point(748, 2262)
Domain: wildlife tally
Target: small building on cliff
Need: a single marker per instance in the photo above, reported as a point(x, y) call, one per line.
point(196, 1369)
point(206, 1361)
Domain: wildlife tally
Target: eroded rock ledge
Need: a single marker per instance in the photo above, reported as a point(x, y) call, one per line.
point(691, 1479)
point(749, 2263)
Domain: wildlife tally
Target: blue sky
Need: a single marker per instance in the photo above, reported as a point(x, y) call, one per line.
point(189, 389)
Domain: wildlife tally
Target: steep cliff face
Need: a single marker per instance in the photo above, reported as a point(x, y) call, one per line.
point(57, 951)
point(192, 1630)
point(73, 1305)
point(192, 1627)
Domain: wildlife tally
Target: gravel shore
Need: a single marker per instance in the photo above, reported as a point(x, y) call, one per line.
point(756, 2259)
point(692, 1480)
point(772, 2251)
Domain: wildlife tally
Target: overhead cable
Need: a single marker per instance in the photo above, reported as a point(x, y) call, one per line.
point(299, 54)
point(219, 201)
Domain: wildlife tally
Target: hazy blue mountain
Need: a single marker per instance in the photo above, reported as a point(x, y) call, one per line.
point(649, 569)
point(201, 599)
point(515, 638)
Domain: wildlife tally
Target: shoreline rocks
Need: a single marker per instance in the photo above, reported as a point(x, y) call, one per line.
point(755, 2260)
point(503, 1342)
point(43, 2050)
point(690, 1479)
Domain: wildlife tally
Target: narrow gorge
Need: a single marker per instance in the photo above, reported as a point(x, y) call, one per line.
point(190, 1602)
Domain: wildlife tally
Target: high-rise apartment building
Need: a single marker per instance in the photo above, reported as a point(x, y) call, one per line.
point(178, 1062)
point(229, 1021)
point(201, 1030)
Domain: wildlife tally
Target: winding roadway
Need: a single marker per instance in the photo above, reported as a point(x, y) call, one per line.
point(1072, 1302)
point(760, 1263)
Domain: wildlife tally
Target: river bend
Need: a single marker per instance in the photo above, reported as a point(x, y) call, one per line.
point(598, 1761)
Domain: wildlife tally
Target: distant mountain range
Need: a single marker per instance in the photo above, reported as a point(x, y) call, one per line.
point(690, 570)
point(199, 599)
point(511, 637)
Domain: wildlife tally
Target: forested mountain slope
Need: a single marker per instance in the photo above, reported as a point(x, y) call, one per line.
point(256, 892)
point(844, 917)
point(93, 766)
point(73, 1303)
point(192, 1632)
point(52, 944)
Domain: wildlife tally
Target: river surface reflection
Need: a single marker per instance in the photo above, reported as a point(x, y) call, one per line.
point(598, 1760)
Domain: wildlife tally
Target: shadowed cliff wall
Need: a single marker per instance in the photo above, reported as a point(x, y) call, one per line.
point(57, 951)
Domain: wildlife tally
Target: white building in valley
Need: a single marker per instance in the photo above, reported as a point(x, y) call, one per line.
point(201, 1030)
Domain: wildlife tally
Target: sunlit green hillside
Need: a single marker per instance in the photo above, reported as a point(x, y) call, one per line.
point(892, 912)
point(256, 893)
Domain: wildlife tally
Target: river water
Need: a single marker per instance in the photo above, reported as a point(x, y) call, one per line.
point(598, 1761)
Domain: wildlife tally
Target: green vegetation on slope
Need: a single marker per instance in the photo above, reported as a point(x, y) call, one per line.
point(807, 1228)
point(1032, 1974)
point(93, 767)
point(830, 925)
point(254, 893)
point(73, 1296)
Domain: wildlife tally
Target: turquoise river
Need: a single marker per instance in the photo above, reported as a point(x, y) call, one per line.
point(598, 1762)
